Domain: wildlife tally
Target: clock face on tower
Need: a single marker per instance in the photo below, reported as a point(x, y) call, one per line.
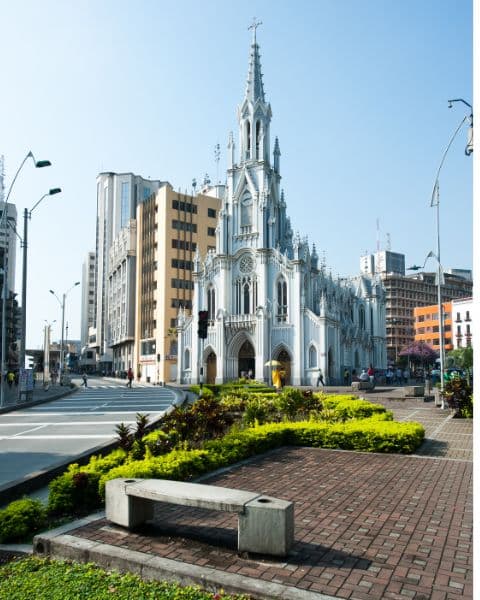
point(246, 264)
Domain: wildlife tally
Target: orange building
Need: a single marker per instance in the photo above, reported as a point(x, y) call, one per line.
point(426, 325)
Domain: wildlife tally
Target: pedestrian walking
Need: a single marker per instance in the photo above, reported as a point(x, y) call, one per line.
point(346, 377)
point(85, 379)
point(10, 378)
point(320, 378)
point(129, 377)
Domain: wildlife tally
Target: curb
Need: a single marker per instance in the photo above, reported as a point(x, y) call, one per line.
point(58, 544)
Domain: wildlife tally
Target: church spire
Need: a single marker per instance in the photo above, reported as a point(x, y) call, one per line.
point(254, 89)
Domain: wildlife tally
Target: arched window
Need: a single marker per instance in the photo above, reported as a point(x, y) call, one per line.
point(246, 211)
point(211, 303)
point(187, 359)
point(249, 139)
point(246, 298)
point(257, 140)
point(361, 317)
point(312, 357)
point(282, 303)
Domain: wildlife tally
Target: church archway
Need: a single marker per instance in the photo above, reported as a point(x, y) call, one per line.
point(211, 367)
point(284, 357)
point(246, 360)
point(330, 366)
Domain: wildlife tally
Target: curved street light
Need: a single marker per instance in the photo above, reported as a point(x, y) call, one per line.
point(62, 305)
point(39, 164)
point(27, 214)
point(432, 254)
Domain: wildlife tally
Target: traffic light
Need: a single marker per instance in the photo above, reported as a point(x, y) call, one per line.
point(202, 324)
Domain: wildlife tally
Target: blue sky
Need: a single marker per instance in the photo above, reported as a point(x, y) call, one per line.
point(358, 91)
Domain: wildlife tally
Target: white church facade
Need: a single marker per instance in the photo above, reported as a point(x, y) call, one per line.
point(267, 297)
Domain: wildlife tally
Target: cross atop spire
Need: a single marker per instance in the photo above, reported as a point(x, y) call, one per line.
point(253, 27)
point(254, 80)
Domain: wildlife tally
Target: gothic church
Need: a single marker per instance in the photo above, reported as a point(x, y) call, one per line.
point(267, 297)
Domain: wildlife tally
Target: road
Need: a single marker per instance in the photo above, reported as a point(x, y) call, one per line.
point(39, 437)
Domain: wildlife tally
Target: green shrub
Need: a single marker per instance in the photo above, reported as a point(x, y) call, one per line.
point(290, 401)
point(257, 409)
point(347, 408)
point(21, 519)
point(178, 464)
point(44, 579)
point(459, 397)
point(74, 492)
point(206, 391)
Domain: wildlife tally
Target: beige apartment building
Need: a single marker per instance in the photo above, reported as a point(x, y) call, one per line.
point(170, 228)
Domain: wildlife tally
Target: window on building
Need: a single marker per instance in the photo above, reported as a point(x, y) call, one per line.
point(458, 317)
point(312, 357)
point(187, 358)
point(282, 301)
point(184, 226)
point(467, 316)
point(361, 317)
point(211, 231)
point(211, 303)
point(125, 204)
point(468, 329)
point(212, 213)
point(246, 211)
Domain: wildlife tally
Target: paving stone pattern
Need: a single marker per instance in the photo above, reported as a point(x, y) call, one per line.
point(367, 526)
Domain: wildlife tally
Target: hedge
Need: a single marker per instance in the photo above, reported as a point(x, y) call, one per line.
point(20, 519)
point(368, 435)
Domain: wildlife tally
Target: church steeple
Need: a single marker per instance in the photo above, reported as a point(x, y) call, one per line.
point(254, 114)
point(254, 89)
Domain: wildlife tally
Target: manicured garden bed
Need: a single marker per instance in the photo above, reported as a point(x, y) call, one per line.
point(44, 579)
point(230, 424)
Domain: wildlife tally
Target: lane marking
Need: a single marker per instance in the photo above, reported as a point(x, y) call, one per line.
point(64, 423)
point(76, 414)
point(57, 437)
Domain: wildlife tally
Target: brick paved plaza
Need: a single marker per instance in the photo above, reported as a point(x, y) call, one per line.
point(369, 526)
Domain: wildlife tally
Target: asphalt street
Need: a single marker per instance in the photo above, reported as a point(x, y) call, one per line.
point(37, 438)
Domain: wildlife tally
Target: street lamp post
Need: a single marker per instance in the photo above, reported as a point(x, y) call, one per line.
point(27, 214)
point(62, 305)
point(39, 164)
point(440, 311)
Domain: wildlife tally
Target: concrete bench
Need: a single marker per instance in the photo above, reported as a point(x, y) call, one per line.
point(362, 385)
point(414, 390)
point(265, 524)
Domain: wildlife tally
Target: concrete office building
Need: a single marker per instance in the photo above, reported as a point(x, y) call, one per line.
point(118, 195)
point(171, 228)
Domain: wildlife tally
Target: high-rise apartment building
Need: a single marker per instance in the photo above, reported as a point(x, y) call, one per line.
point(171, 228)
point(118, 195)
point(405, 292)
point(88, 298)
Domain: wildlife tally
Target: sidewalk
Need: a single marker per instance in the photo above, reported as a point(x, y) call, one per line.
point(367, 526)
point(39, 395)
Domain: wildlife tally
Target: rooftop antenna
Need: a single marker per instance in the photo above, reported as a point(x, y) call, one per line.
point(216, 156)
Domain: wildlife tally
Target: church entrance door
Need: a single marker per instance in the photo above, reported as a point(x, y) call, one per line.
point(246, 360)
point(211, 367)
point(284, 358)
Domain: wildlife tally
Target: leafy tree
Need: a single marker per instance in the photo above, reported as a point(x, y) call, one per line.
point(461, 357)
point(419, 352)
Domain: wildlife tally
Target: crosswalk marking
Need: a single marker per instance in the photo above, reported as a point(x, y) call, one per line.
point(57, 437)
